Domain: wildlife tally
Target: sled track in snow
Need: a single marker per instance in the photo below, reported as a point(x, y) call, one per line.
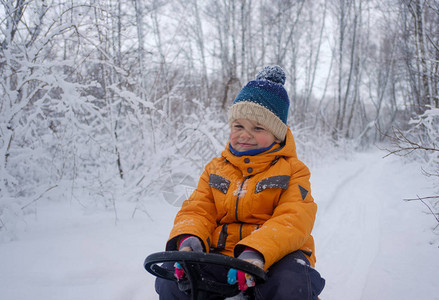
point(332, 200)
point(351, 209)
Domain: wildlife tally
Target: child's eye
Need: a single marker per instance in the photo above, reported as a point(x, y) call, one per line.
point(257, 128)
point(238, 126)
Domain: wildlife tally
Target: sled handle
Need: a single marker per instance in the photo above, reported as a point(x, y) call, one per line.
point(191, 262)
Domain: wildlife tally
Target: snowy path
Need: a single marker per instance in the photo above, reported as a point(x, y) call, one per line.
point(352, 209)
point(370, 243)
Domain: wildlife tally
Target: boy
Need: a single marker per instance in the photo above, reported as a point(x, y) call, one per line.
point(254, 202)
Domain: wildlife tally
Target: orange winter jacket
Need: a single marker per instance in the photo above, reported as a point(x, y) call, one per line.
point(262, 201)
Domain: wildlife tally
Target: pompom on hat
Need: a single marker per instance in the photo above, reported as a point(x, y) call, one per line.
point(265, 101)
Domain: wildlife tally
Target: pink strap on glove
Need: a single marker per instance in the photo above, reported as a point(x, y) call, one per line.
point(179, 272)
point(245, 280)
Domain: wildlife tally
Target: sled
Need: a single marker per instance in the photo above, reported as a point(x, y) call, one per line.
point(194, 283)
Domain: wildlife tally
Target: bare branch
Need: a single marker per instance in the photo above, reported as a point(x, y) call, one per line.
point(415, 199)
point(39, 197)
point(435, 215)
point(404, 145)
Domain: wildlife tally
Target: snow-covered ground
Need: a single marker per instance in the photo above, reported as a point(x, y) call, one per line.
point(370, 243)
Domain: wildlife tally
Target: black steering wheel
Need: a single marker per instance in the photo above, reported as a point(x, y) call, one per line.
point(199, 286)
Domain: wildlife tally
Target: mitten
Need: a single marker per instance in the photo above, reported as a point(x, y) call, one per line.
point(252, 256)
point(188, 243)
point(245, 280)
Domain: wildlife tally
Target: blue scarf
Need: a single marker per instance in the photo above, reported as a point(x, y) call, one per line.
point(251, 152)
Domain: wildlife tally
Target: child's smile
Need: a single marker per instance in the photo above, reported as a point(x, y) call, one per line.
point(247, 134)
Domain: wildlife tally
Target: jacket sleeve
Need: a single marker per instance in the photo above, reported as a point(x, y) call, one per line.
point(291, 223)
point(197, 216)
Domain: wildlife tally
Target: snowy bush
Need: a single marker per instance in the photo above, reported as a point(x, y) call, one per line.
point(421, 143)
point(421, 140)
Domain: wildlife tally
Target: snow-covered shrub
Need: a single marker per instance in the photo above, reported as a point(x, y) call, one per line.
point(421, 143)
point(314, 147)
point(195, 141)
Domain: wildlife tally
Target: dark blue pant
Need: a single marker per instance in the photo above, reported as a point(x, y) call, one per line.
point(290, 278)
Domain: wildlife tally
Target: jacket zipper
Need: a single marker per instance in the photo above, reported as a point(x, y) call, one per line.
point(237, 198)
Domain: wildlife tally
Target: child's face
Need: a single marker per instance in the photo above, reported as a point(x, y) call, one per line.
point(247, 134)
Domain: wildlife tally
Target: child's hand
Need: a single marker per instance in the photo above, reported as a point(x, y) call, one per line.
point(245, 280)
point(252, 256)
point(190, 243)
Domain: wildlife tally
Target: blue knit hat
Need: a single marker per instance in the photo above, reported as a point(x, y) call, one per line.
point(265, 101)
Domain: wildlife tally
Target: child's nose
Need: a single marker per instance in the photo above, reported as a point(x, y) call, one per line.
point(246, 134)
